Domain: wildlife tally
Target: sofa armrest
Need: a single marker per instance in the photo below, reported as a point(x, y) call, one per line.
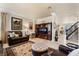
point(65, 49)
point(72, 45)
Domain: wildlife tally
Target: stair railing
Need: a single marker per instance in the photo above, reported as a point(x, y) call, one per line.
point(71, 30)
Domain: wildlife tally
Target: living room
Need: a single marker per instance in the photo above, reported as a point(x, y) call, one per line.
point(48, 27)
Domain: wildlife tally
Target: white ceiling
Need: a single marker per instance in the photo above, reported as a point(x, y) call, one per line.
point(40, 10)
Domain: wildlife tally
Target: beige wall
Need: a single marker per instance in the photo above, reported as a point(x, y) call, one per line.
point(25, 22)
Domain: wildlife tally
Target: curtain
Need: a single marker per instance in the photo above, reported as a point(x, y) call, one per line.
point(3, 27)
point(0, 27)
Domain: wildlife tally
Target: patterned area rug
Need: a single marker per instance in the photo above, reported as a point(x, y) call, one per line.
point(24, 49)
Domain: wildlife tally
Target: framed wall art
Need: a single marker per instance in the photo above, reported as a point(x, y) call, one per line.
point(16, 23)
point(30, 25)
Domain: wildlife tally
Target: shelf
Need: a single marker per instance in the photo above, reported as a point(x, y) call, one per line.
point(44, 35)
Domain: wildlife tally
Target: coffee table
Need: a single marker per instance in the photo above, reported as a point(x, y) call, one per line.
point(39, 48)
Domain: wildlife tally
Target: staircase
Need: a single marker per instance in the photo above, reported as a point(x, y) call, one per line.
point(73, 29)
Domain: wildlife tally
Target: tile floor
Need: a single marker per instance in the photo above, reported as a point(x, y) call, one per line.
point(51, 44)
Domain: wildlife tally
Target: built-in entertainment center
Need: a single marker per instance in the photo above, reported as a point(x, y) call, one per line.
point(44, 30)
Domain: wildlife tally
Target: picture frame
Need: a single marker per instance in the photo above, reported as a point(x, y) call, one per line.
point(30, 25)
point(16, 23)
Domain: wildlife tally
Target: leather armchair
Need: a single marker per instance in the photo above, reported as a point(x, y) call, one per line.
point(69, 48)
point(65, 49)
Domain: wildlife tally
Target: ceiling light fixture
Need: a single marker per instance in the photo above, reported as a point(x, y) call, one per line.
point(50, 9)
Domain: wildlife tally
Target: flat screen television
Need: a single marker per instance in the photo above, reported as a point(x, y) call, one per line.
point(42, 30)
